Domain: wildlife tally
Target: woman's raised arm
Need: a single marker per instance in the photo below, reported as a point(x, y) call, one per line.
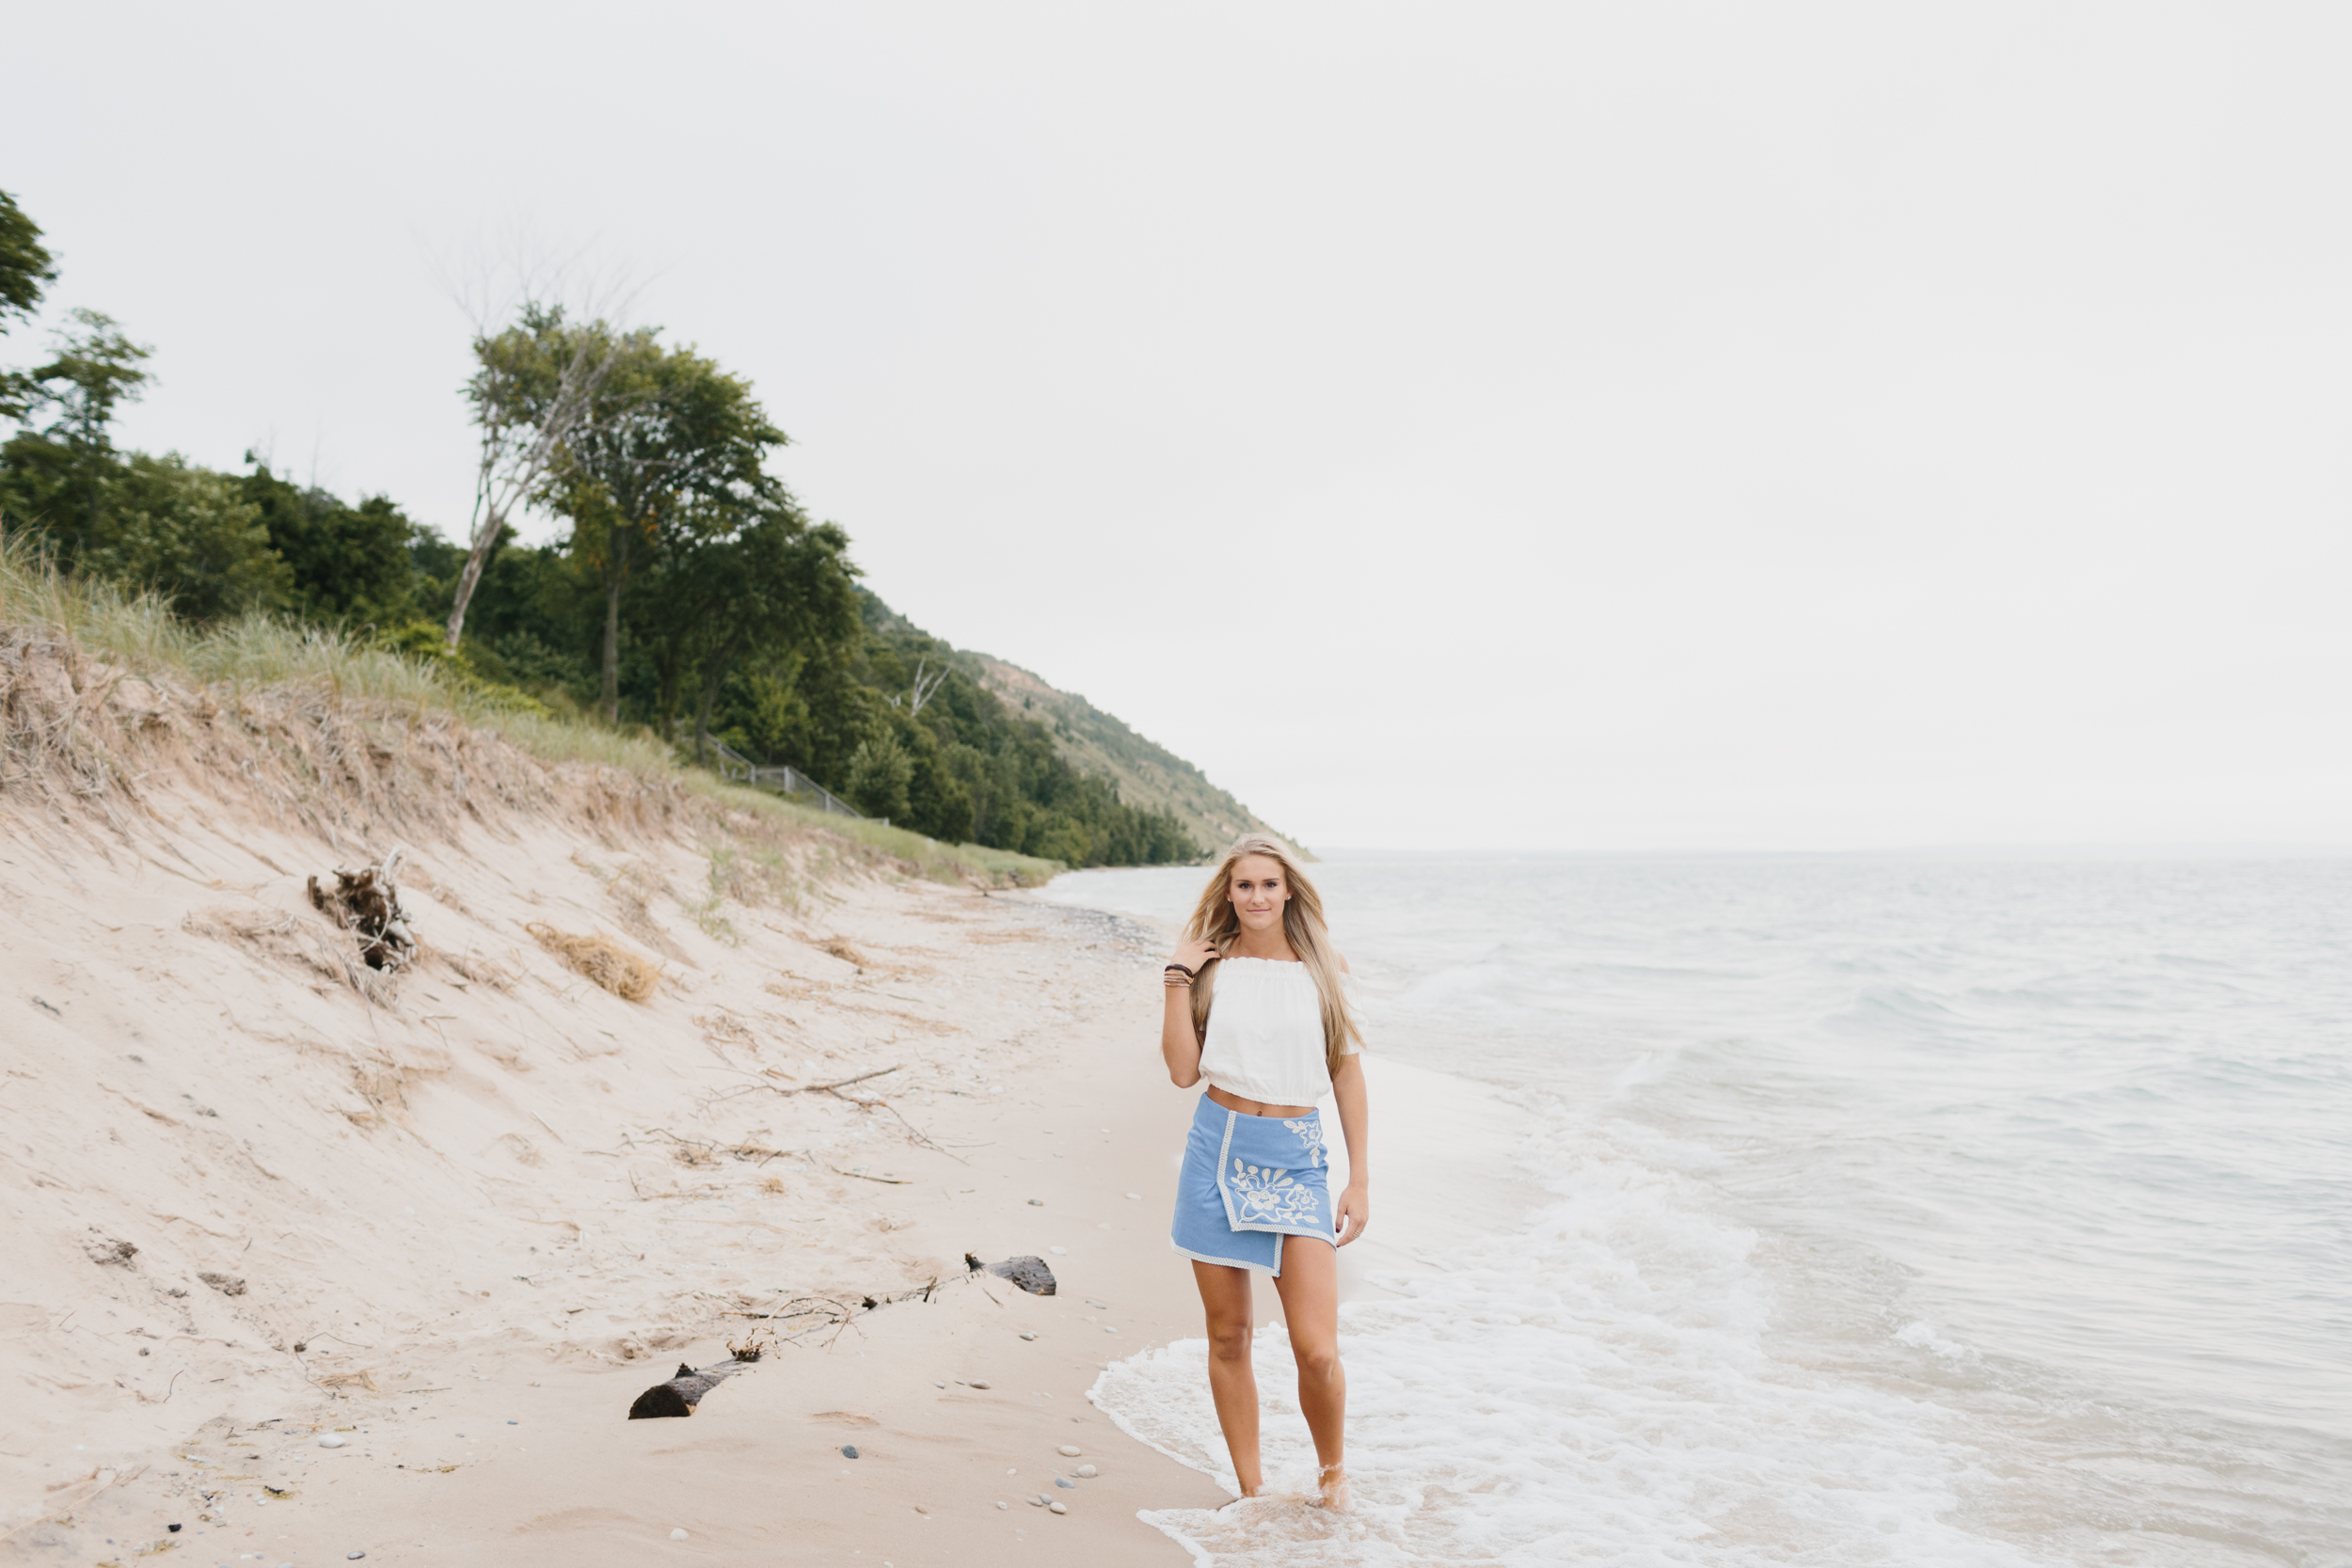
point(1180, 1042)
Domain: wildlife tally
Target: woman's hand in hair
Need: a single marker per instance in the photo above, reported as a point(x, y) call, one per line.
point(1193, 955)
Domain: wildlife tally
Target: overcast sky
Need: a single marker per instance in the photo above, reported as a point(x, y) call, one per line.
point(1574, 427)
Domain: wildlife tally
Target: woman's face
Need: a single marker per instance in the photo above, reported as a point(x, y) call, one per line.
point(1258, 891)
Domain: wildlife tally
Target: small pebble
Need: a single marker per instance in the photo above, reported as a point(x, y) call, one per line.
point(1004, 1505)
point(848, 1450)
point(172, 1527)
point(1057, 1508)
point(1108, 1329)
point(1059, 1251)
point(353, 1557)
point(1065, 1483)
point(1071, 1450)
point(514, 1423)
point(1036, 1203)
point(331, 1441)
point(977, 1383)
point(1038, 1502)
point(1088, 1472)
point(677, 1535)
point(1098, 1305)
point(1026, 1334)
point(938, 1383)
point(1137, 1196)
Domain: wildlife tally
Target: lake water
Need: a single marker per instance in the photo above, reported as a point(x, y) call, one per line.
point(1901, 1211)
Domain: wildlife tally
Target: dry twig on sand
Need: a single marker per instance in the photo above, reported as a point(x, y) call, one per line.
point(625, 973)
point(914, 1135)
point(826, 1089)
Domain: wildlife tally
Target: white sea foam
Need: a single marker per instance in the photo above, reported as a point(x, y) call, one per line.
point(1594, 1389)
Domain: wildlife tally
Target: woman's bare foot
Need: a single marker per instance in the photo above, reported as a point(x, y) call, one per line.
point(1331, 1480)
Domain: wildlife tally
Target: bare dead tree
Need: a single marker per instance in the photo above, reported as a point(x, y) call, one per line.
point(533, 390)
point(923, 690)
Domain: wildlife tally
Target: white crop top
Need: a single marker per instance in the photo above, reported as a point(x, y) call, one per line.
point(1265, 1033)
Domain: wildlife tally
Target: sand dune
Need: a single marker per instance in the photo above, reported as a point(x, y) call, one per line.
point(257, 1195)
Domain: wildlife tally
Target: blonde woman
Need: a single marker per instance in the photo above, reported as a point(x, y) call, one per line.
point(1257, 1009)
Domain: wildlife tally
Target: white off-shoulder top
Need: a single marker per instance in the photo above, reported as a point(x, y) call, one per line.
point(1264, 1041)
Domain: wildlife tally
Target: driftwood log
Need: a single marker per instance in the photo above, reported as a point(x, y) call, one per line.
point(366, 903)
point(1031, 1274)
point(680, 1396)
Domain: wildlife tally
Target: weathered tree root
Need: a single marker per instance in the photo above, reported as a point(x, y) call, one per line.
point(366, 902)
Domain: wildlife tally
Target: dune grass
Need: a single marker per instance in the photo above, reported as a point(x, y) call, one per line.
point(929, 856)
point(138, 631)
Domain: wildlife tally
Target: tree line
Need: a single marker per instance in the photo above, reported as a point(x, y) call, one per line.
point(688, 592)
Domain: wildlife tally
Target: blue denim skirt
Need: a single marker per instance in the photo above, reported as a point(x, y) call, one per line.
point(1248, 1182)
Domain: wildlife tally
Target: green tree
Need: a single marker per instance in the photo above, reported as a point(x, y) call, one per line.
point(348, 564)
point(879, 772)
point(27, 268)
point(674, 448)
point(774, 590)
point(938, 801)
point(25, 265)
point(57, 474)
point(189, 533)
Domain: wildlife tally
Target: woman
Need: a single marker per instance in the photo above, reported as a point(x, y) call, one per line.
point(1257, 1009)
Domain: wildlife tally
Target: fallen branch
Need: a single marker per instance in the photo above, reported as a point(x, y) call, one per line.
point(833, 1314)
point(914, 1135)
point(824, 1089)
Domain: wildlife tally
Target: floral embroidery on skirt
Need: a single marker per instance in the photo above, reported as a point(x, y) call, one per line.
point(1247, 1182)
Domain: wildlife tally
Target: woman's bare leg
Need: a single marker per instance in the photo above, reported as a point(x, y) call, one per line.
point(1309, 1288)
point(1225, 1298)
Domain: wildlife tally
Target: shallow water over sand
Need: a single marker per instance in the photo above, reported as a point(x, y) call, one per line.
point(1903, 1211)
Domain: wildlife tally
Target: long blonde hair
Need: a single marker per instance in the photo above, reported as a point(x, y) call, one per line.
point(1215, 920)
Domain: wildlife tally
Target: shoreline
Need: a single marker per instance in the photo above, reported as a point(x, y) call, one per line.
point(472, 1213)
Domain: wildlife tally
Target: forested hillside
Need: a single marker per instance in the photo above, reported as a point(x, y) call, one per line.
point(687, 594)
point(1095, 742)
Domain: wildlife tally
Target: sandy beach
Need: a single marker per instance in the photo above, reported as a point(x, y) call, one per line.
point(461, 1219)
